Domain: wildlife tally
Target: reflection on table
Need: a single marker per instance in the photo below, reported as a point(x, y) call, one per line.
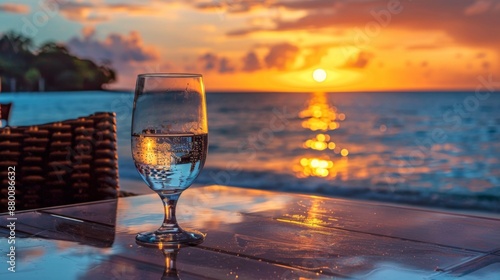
point(253, 234)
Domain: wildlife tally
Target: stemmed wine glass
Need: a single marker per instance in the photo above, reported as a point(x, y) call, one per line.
point(169, 145)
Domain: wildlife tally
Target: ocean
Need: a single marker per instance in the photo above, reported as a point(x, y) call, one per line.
point(438, 149)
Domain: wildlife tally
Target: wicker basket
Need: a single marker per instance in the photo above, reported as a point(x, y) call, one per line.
point(60, 163)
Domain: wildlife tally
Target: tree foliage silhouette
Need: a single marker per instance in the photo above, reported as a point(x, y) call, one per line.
point(51, 62)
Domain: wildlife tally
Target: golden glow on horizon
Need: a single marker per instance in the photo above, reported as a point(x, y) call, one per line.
point(319, 75)
point(299, 56)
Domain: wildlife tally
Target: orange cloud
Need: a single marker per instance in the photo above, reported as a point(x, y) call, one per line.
point(14, 8)
point(315, 54)
point(299, 37)
point(89, 12)
point(361, 60)
point(467, 21)
point(281, 56)
point(88, 31)
point(479, 7)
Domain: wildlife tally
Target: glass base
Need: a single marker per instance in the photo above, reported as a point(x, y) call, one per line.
point(153, 239)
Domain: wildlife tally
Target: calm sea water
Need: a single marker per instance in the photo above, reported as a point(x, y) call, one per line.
point(438, 149)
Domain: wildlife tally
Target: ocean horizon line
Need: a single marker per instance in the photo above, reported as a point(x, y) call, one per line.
point(264, 92)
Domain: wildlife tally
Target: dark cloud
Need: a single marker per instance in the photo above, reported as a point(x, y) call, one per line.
point(212, 62)
point(486, 65)
point(309, 5)
point(225, 66)
point(359, 61)
point(471, 22)
point(239, 6)
point(281, 56)
point(14, 8)
point(209, 61)
point(241, 32)
point(127, 54)
point(232, 6)
point(481, 55)
point(479, 7)
point(251, 62)
point(117, 48)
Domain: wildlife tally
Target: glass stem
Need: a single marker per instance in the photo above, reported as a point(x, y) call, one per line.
point(170, 263)
point(169, 222)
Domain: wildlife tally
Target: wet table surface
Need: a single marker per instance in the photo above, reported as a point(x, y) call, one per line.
point(252, 234)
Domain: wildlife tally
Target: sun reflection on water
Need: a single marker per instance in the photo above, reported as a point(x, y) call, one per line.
point(320, 116)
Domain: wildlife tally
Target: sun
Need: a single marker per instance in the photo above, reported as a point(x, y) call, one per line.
point(319, 75)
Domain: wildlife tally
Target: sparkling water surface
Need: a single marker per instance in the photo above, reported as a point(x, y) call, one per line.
point(425, 148)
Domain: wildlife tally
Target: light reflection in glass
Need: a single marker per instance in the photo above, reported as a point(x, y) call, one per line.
point(320, 116)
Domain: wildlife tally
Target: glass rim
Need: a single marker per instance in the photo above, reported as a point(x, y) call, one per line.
point(170, 75)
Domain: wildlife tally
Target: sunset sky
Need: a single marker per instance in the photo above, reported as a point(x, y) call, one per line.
point(276, 45)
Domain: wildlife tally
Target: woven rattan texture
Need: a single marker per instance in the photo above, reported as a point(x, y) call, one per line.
point(60, 163)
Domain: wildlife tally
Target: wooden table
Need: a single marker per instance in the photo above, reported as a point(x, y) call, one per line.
point(253, 234)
